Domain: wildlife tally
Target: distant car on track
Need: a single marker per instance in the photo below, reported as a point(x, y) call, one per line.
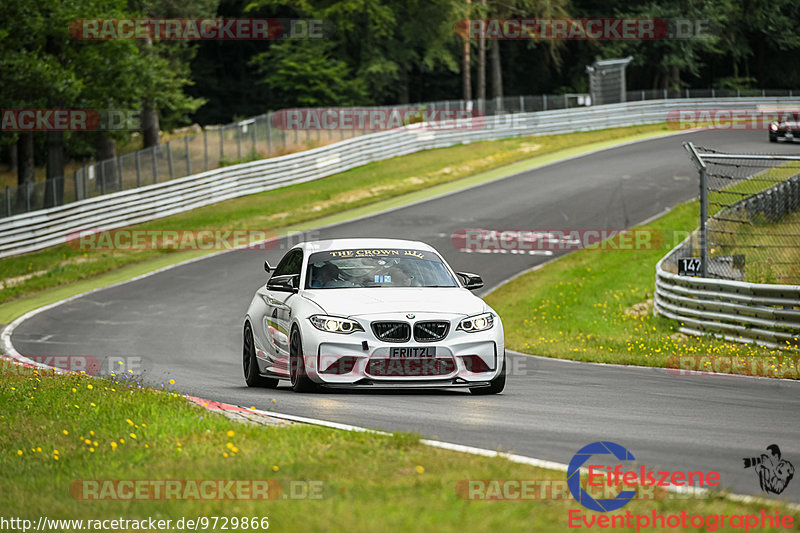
point(371, 313)
point(785, 130)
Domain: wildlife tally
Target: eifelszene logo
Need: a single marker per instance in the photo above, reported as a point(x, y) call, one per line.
point(774, 473)
point(617, 476)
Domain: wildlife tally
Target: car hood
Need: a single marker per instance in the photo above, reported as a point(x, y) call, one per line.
point(355, 302)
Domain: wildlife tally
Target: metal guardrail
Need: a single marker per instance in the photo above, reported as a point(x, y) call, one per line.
point(43, 228)
point(736, 311)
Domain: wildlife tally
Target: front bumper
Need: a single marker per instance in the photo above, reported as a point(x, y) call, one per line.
point(461, 359)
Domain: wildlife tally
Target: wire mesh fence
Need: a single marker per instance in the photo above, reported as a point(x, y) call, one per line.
point(752, 224)
point(262, 137)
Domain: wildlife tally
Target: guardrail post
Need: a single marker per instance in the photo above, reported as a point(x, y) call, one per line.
point(205, 146)
point(169, 160)
point(155, 162)
point(188, 157)
point(701, 167)
point(138, 169)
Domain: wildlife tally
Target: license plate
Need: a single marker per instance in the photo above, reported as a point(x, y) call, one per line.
point(413, 351)
point(789, 136)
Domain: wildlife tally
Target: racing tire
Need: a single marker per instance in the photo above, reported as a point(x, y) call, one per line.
point(773, 138)
point(250, 365)
point(297, 367)
point(495, 386)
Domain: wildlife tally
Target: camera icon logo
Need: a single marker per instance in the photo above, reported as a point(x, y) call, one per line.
point(774, 473)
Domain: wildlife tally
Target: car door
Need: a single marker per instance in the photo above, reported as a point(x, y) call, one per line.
point(278, 314)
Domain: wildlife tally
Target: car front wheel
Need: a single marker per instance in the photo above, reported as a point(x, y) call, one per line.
point(496, 386)
point(297, 367)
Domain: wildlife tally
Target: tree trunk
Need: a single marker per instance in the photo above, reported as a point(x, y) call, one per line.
point(25, 172)
point(482, 66)
point(466, 78)
point(404, 96)
point(151, 133)
point(497, 71)
point(106, 172)
point(12, 157)
point(54, 188)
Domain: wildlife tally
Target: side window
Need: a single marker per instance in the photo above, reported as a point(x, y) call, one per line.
point(290, 264)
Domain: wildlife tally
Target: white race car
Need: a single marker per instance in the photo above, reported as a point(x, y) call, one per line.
point(376, 313)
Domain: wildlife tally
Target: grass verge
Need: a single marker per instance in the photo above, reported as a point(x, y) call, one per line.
point(59, 429)
point(276, 210)
point(597, 305)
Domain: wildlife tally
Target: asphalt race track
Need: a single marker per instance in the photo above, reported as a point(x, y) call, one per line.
point(186, 324)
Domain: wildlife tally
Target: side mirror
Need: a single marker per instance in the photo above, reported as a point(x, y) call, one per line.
point(287, 283)
point(267, 268)
point(470, 281)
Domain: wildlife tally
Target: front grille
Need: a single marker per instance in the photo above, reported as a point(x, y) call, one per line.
point(431, 331)
point(392, 331)
point(410, 367)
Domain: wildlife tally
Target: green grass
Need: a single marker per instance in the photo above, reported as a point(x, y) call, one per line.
point(55, 430)
point(280, 208)
point(596, 305)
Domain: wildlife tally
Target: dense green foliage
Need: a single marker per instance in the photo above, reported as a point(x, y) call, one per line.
point(379, 52)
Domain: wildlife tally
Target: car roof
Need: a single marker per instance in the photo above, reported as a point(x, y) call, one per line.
point(344, 244)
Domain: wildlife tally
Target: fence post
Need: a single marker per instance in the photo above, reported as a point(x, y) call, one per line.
point(83, 179)
point(269, 135)
point(119, 169)
point(255, 122)
point(222, 142)
point(239, 141)
point(205, 146)
point(712, 93)
point(53, 191)
point(155, 163)
point(544, 102)
point(102, 177)
point(28, 196)
point(75, 184)
point(8, 200)
point(188, 158)
point(738, 93)
point(138, 169)
point(169, 160)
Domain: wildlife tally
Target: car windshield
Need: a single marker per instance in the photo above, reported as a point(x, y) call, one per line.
point(341, 269)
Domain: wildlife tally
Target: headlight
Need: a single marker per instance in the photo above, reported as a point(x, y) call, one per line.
point(774, 126)
point(475, 323)
point(335, 324)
